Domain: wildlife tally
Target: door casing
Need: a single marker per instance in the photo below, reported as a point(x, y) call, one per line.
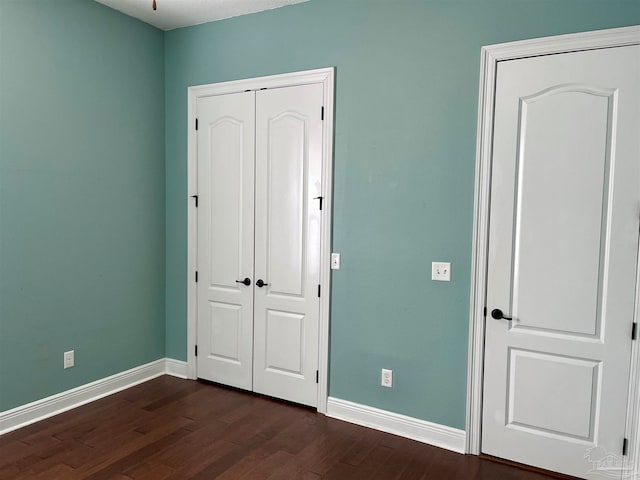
point(490, 56)
point(325, 76)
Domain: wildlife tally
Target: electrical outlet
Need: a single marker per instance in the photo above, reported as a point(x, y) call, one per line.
point(69, 360)
point(335, 261)
point(387, 378)
point(441, 271)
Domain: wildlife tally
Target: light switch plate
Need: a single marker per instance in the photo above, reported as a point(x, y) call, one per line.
point(335, 261)
point(441, 271)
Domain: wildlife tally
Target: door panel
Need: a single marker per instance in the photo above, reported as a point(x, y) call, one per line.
point(563, 242)
point(225, 238)
point(576, 378)
point(286, 203)
point(224, 330)
point(284, 328)
point(561, 209)
point(287, 253)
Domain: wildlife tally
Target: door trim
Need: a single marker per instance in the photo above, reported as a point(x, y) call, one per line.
point(490, 56)
point(325, 76)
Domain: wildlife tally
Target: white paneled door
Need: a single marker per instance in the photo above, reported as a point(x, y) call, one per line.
point(259, 212)
point(563, 246)
point(287, 253)
point(226, 126)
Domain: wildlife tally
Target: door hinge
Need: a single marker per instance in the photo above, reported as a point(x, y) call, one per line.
point(317, 376)
point(320, 199)
point(196, 276)
point(634, 331)
point(318, 291)
point(196, 350)
point(196, 124)
point(625, 446)
point(322, 113)
point(195, 197)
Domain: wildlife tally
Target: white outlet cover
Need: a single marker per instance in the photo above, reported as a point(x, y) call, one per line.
point(441, 271)
point(387, 378)
point(69, 360)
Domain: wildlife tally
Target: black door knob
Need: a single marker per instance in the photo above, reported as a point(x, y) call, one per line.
point(499, 314)
point(260, 283)
point(246, 281)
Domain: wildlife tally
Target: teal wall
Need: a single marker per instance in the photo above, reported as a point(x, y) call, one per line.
point(406, 105)
point(82, 214)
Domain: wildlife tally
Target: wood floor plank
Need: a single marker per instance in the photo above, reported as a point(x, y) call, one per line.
point(135, 451)
point(211, 455)
point(172, 429)
point(150, 471)
point(268, 466)
point(244, 465)
point(360, 449)
point(59, 471)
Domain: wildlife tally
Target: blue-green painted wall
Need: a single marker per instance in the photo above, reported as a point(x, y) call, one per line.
point(82, 195)
point(406, 106)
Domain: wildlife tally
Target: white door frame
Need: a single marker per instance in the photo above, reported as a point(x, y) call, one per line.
point(490, 56)
point(325, 76)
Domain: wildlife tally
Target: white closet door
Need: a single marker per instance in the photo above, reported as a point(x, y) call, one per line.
point(287, 251)
point(226, 133)
point(563, 246)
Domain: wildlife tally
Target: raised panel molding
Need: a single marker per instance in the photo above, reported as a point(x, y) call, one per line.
point(286, 203)
point(225, 257)
point(289, 326)
point(530, 372)
point(423, 431)
point(225, 327)
point(576, 146)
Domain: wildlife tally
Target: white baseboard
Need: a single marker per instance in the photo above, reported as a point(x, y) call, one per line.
point(47, 407)
point(176, 368)
point(416, 429)
point(420, 430)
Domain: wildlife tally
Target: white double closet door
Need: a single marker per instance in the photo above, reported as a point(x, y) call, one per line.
point(258, 244)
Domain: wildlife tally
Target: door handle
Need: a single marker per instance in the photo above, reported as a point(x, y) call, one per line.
point(499, 314)
point(260, 283)
point(246, 281)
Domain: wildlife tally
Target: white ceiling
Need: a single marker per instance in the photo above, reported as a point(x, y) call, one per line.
point(182, 13)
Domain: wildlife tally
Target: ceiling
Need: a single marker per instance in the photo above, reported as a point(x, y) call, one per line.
point(182, 13)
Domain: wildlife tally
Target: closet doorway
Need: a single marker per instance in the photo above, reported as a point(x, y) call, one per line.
point(259, 220)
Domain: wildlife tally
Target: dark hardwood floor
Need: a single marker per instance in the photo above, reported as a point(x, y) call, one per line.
point(175, 429)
